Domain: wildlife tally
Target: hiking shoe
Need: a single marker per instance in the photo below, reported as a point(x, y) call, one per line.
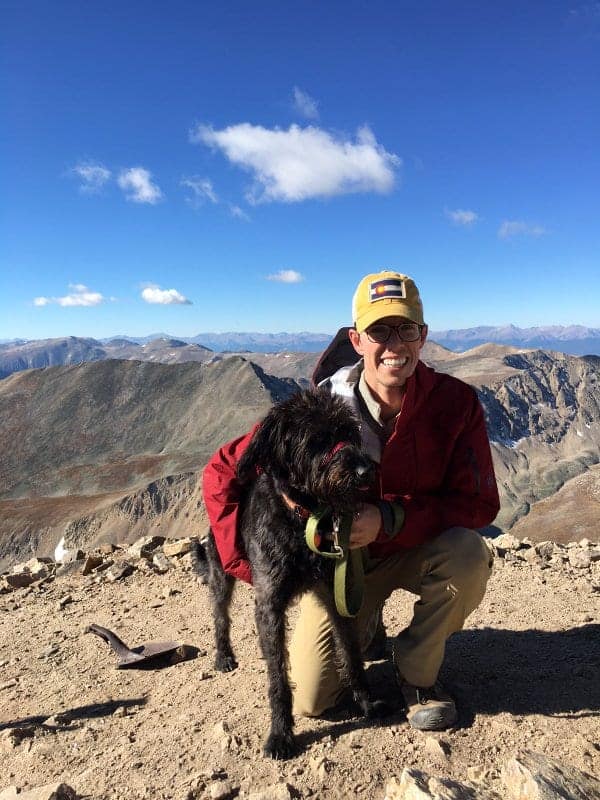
point(428, 708)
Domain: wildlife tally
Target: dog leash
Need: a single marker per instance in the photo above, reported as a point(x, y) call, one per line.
point(348, 575)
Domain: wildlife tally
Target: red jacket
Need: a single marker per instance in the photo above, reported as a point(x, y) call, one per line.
point(437, 463)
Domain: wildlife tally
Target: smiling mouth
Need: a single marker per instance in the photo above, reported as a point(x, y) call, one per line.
point(394, 362)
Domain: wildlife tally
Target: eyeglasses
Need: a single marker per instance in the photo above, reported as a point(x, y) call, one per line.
point(406, 332)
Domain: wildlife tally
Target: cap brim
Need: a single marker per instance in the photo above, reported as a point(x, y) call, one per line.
point(388, 308)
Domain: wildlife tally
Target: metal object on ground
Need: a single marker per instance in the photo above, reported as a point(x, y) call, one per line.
point(132, 657)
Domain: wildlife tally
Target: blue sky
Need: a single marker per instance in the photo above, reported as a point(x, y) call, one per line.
point(192, 166)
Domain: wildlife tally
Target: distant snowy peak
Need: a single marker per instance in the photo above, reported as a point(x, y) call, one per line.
point(576, 340)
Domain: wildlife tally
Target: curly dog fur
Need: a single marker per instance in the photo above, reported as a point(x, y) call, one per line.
point(293, 452)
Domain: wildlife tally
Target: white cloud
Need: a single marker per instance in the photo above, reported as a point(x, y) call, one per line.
point(305, 105)
point(137, 184)
point(93, 177)
point(79, 295)
point(461, 216)
point(510, 228)
point(165, 297)
point(286, 276)
point(303, 163)
point(238, 212)
point(202, 189)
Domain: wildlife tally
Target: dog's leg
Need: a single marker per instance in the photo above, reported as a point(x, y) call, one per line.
point(350, 661)
point(221, 588)
point(270, 624)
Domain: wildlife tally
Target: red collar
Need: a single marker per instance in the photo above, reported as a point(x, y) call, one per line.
point(299, 510)
point(328, 456)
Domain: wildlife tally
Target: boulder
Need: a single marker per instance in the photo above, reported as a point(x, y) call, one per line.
point(177, 547)
point(145, 547)
point(533, 776)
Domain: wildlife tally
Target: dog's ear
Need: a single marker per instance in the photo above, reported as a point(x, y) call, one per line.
point(255, 456)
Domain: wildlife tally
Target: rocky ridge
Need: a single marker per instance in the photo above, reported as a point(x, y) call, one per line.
point(86, 448)
point(524, 672)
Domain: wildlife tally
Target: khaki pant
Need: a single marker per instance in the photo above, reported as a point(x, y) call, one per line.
point(449, 574)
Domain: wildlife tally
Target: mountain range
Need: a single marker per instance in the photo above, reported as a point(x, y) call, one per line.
point(23, 354)
point(112, 449)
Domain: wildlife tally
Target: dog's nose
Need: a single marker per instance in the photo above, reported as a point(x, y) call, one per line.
point(362, 469)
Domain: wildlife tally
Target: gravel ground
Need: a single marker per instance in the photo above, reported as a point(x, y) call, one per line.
point(524, 672)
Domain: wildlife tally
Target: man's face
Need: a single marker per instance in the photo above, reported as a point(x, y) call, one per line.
point(388, 365)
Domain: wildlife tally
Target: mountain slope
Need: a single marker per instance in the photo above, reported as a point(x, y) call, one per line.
point(81, 443)
point(106, 429)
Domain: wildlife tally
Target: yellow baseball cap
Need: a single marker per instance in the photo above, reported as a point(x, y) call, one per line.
point(386, 294)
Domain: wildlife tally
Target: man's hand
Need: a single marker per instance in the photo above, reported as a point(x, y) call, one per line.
point(365, 525)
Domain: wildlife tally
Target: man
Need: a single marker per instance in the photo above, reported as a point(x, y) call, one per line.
point(436, 485)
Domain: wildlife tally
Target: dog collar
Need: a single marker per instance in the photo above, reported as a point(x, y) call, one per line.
point(336, 448)
point(300, 511)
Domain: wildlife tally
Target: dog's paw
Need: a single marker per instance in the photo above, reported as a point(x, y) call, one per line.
point(280, 746)
point(225, 663)
point(376, 709)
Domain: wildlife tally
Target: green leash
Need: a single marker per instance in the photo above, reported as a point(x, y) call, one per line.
point(348, 576)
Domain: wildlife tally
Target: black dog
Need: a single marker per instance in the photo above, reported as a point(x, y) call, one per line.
point(307, 451)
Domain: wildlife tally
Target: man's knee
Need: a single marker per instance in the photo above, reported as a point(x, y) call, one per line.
point(465, 554)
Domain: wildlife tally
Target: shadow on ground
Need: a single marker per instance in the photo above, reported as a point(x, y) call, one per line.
point(82, 712)
point(525, 672)
point(490, 671)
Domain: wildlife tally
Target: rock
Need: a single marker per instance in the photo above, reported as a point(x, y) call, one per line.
point(220, 729)
point(279, 791)
point(38, 568)
point(18, 580)
point(177, 547)
point(70, 568)
point(437, 749)
point(160, 562)
point(106, 549)
point(10, 793)
point(413, 785)
point(50, 650)
point(9, 684)
point(530, 555)
point(320, 766)
point(594, 555)
point(545, 550)
point(219, 790)
point(145, 547)
point(12, 737)
point(533, 776)
point(60, 720)
point(64, 601)
point(119, 570)
point(354, 740)
point(416, 785)
point(579, 559)
point(90, 563)
point(477, 773)
point(506, 541)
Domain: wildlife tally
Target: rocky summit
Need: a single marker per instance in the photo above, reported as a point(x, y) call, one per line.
point(524, 672)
